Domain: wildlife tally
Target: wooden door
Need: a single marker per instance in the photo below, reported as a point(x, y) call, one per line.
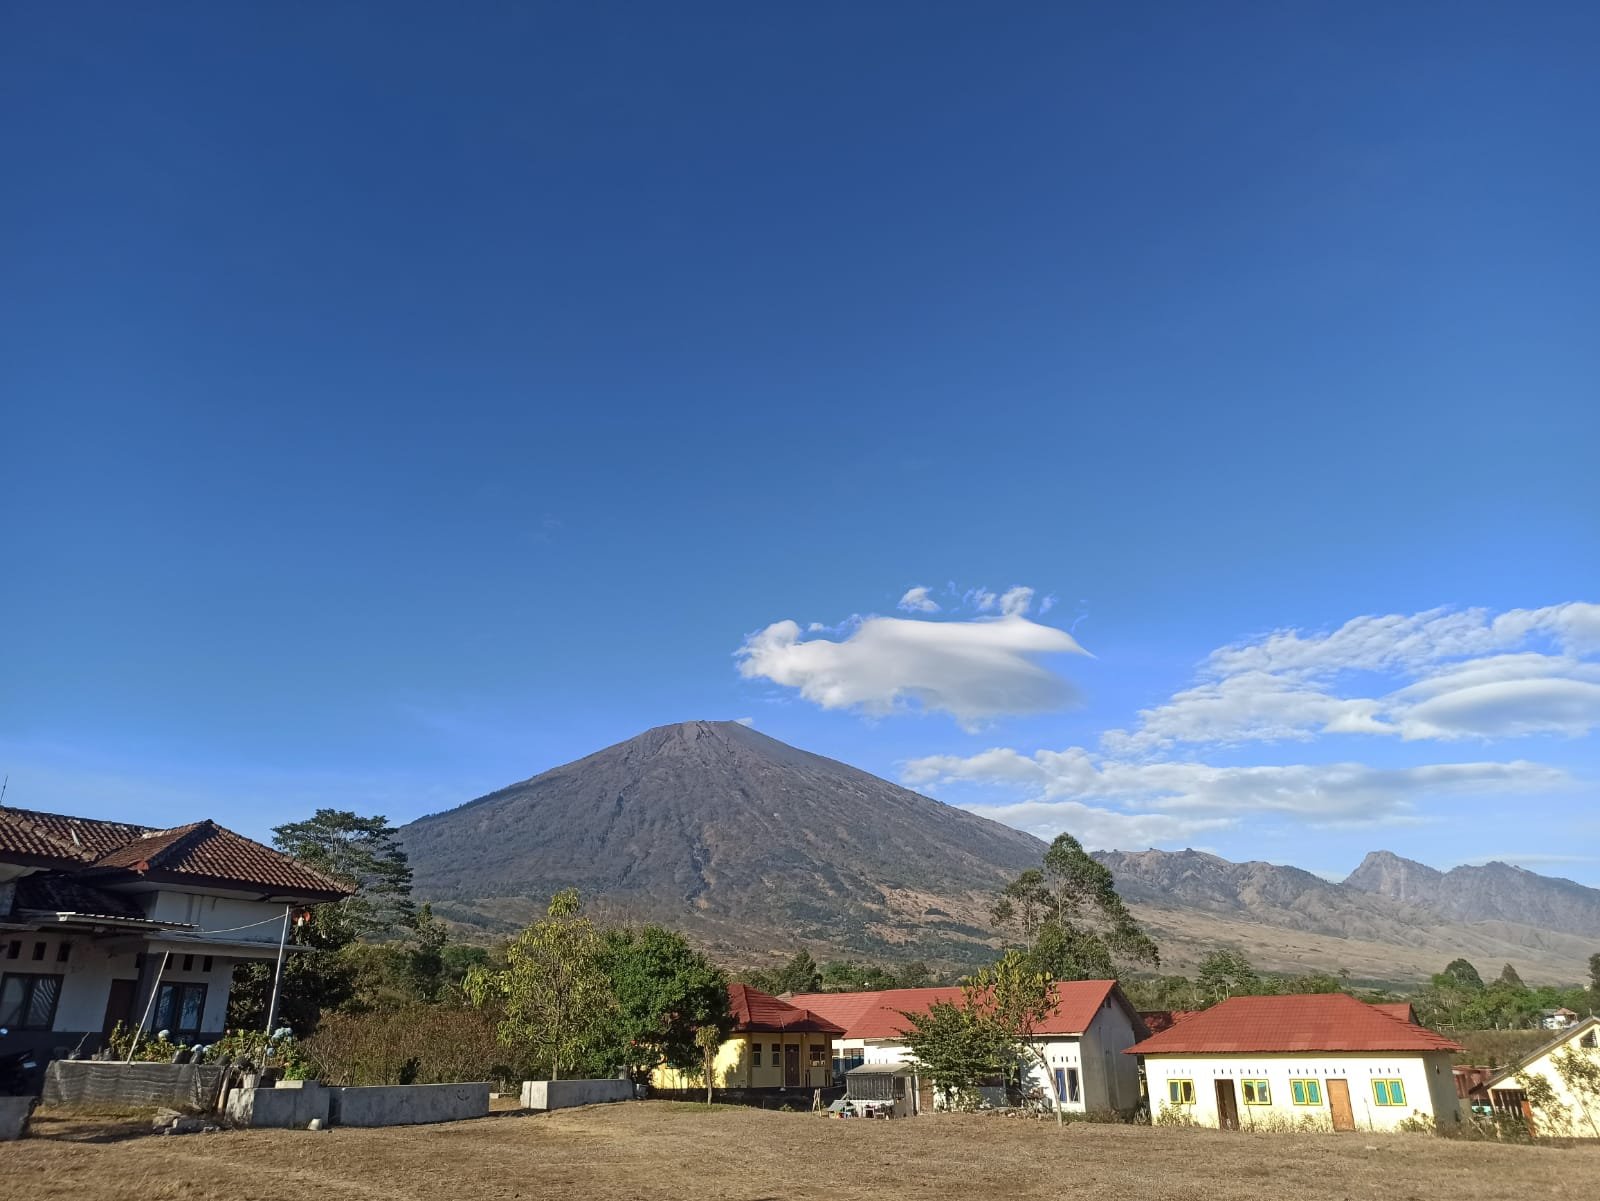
point(1227, 1105)
point(791, 1066)
point(1344, 1117)
point(119, 1005)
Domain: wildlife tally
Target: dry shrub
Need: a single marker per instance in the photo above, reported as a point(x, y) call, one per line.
point(413, 1044)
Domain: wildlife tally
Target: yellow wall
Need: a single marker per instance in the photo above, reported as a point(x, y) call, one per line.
point(735, 1067)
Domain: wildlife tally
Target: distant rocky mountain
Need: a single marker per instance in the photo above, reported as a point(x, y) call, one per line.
point(1482, 893)
point(755, 848)
point(1392, 919)
point(749, 844)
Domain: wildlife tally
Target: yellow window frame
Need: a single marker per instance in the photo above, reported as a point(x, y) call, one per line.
point(1180, 1091)
point(1256, 1091)
point(1389, 1091)
point(1306, 1091)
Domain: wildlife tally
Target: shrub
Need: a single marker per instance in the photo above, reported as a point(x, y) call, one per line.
point(1175, 1116)
point(413, 1044)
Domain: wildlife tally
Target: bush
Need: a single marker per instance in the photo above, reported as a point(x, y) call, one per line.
point(413, 1044)
point(1175, 1116)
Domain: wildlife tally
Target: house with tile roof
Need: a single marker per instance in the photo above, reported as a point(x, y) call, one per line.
point(1320, 1062)
point(104, 922)
point(777, 1053)
point(1082, 1039)
point(1573, 1114)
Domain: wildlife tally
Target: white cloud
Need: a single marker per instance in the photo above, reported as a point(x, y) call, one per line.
point(1100, 829)
point(1442, 675)
point(748, 722)
point(1182, 798)
point(973, 670)
point(918, 600)
point(1015, 601)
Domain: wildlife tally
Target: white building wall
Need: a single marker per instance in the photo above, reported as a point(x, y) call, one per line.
point(1427, 1079)
point(1583, 1123)
point(240, 919)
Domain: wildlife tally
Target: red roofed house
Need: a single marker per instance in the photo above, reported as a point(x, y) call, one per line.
point(1092, 1023)
point(1327, 1062)
point(777, 1053)
point(102, 922)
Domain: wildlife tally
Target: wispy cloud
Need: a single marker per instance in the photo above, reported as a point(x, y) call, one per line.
point(918, 600)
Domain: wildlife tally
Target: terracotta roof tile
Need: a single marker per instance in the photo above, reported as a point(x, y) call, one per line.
point(1320, 1022)
point(205, 849)
point(882, 1014)
point(84, 837)
point(754, 1010)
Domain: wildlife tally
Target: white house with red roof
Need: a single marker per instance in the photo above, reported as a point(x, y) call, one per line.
point(1320, 1062)
point(1082, 1039)
point(104, 922)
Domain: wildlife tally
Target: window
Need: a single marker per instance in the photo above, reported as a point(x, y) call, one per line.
point(1180, 1092)
point(1588, 1040)
point(205, 965)
point(188, 963)
point(755, 1055)
point(180, 1008)
point(1388, 1092)
point(64, 952)
point(14, 948)
point(819, 1055)
point(38, 952)
point(1072, 1085)
point(1256, 1092)
point(777, 1050)
point(29, 1002)
point(1306, 1092)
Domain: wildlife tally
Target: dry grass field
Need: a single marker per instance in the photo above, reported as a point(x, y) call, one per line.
point(664, 1150)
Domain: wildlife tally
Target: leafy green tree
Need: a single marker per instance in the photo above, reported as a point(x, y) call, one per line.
point(553, 992)
point(1509, 977)
point(365, 853)
point(1594, 975)
point(1226, 973)
point(955, 1047)
point(708, 1039)
point(1579, 1069)
point(914, 975)
point(800, 974)
point(1014, 1000)
point(1069, 910)
point(1462, 974)
point(665, 991)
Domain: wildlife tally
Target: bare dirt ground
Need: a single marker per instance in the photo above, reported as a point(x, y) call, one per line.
point(662, 1150)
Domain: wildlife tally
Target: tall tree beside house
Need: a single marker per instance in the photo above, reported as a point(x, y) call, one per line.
point(552, 992)
point(665, 993)
point(364, 852)
point(955, 1047)
point(1014, 999)
point(1069, 911)
point(708, 1039)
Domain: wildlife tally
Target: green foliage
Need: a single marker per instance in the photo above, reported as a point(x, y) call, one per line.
point(707, 1039)
point(665, 992)
point(1594, 976)
point(955, 1048)
point(1579, 1069)
point(1454, 1001)
point(552, 993)
point(1509, 977)
point(1224, 974)
point(1461, 974)
point(1070, 915)
point(365, 853)
point(1014, 998)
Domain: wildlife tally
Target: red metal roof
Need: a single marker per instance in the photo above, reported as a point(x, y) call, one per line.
point(201, 852)
point(1320, 1022)
point(756, 1011)
point(882, 1014)
point(1157, 1020)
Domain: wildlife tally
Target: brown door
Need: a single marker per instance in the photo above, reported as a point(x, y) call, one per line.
point(791, 1066)
point(119, 1005)
point(1227, 1105)
point(1344, 1117)
point(924, 1096)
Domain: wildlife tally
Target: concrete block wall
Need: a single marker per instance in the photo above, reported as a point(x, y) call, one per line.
point(14, 1113)
point(281, 1108)
point(563, 1094)
point(408, 1104)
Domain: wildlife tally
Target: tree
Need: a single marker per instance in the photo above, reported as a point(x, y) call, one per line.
point(365, 853)
point(708, 1039)
point(1594, 975)
point(1579, 1069)
point(665, 991)
point(1014, 1000)
point(553, 992)
point(914, 975)
point(1509, 977)
point(1224, 974)
point(800, 974)
point(1462, 974)
point(954, 1047)
point(1070, 911)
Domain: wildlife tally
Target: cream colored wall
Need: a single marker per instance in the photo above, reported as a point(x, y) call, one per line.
point(244, 920)
point(1429, 1087)
point(1582, 1122)
point(735, 1066)
point(90, 968)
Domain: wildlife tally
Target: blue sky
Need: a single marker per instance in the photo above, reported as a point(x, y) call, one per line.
point(401, 401)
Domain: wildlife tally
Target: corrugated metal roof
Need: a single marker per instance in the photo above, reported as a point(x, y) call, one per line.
point(1307, 1023)
point(754, 1010)
point(882, 1014)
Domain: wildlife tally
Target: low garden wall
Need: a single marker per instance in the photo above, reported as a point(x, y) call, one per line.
point(14, 1117)
point(190, 1086)
point(291, 1106)
point(563, 1094)
point(407, 1104)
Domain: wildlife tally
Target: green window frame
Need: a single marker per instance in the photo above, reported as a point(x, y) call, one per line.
point(1180, 1092)
point(1256, 1092)
point(1388, 1092)
point(1306, 1092)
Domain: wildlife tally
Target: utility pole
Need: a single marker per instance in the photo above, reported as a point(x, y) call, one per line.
point(277, 975)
